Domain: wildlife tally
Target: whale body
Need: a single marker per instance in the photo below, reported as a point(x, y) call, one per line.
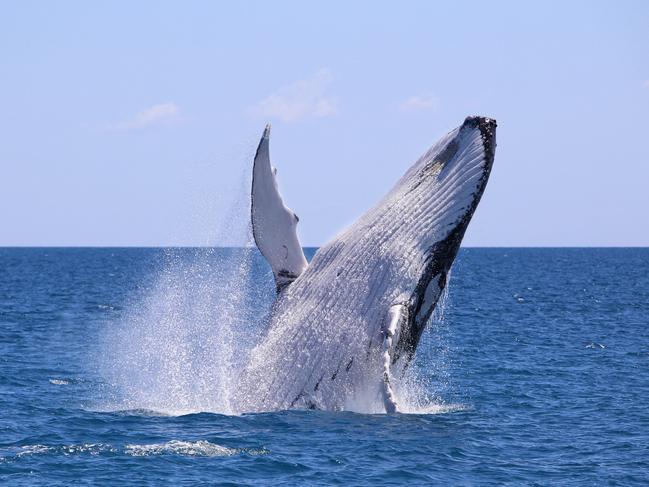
point(350, 321)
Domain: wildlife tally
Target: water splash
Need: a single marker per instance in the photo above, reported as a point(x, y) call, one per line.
point(185, 335)
point(185, 338)
point(179, 345)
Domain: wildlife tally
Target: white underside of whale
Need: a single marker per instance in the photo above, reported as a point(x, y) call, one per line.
point(347, 323)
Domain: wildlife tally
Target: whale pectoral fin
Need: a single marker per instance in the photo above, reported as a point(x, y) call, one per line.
point(274, 226)
point(397, 317)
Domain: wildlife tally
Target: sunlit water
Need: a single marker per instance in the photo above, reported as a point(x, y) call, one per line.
point(116, 366)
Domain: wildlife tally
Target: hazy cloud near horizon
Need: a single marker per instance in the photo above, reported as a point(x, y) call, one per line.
point(419, 102)
point(299, 100)
point(159, 114)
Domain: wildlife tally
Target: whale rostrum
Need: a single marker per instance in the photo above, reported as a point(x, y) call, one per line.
point(350, 321)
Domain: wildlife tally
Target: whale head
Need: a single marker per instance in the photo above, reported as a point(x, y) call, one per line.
point(439, 195)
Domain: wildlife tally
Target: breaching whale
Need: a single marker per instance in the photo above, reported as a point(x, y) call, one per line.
point(349, 321)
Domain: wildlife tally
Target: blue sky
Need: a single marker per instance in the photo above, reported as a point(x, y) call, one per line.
point(134, 123)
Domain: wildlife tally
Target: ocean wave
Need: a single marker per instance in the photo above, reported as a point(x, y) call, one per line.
point(201, 448)
point(74, 449)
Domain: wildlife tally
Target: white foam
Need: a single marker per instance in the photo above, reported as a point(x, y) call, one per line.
point(435, 408)
point(33, 450)
point(67, 450)
point(199, 448)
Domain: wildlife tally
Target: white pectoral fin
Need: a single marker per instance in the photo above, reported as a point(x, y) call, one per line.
point(397, 315)
point(274, 226)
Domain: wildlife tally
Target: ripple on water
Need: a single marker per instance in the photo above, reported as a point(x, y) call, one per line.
point(66, 450)
point(200, 448)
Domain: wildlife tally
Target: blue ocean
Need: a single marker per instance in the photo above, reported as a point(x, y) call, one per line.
point(116, 365)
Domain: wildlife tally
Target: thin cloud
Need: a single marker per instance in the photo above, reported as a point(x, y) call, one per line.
point(160, 114)
point(306, 98)
point(419, 102)
point(646, 84)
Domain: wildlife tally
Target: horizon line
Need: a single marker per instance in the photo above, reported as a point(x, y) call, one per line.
point(308, 246)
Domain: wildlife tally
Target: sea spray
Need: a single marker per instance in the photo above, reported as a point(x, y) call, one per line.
point(187, 335)
point(185, 339)
point(187, 331)
point(180, 345)
point(425, 383)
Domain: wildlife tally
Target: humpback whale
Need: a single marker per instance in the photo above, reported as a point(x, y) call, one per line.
point(350, 321)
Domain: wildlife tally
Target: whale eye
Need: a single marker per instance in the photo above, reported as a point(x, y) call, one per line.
point(297, 218)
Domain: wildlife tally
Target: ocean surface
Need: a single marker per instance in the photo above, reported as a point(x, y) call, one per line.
point(116, 367)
